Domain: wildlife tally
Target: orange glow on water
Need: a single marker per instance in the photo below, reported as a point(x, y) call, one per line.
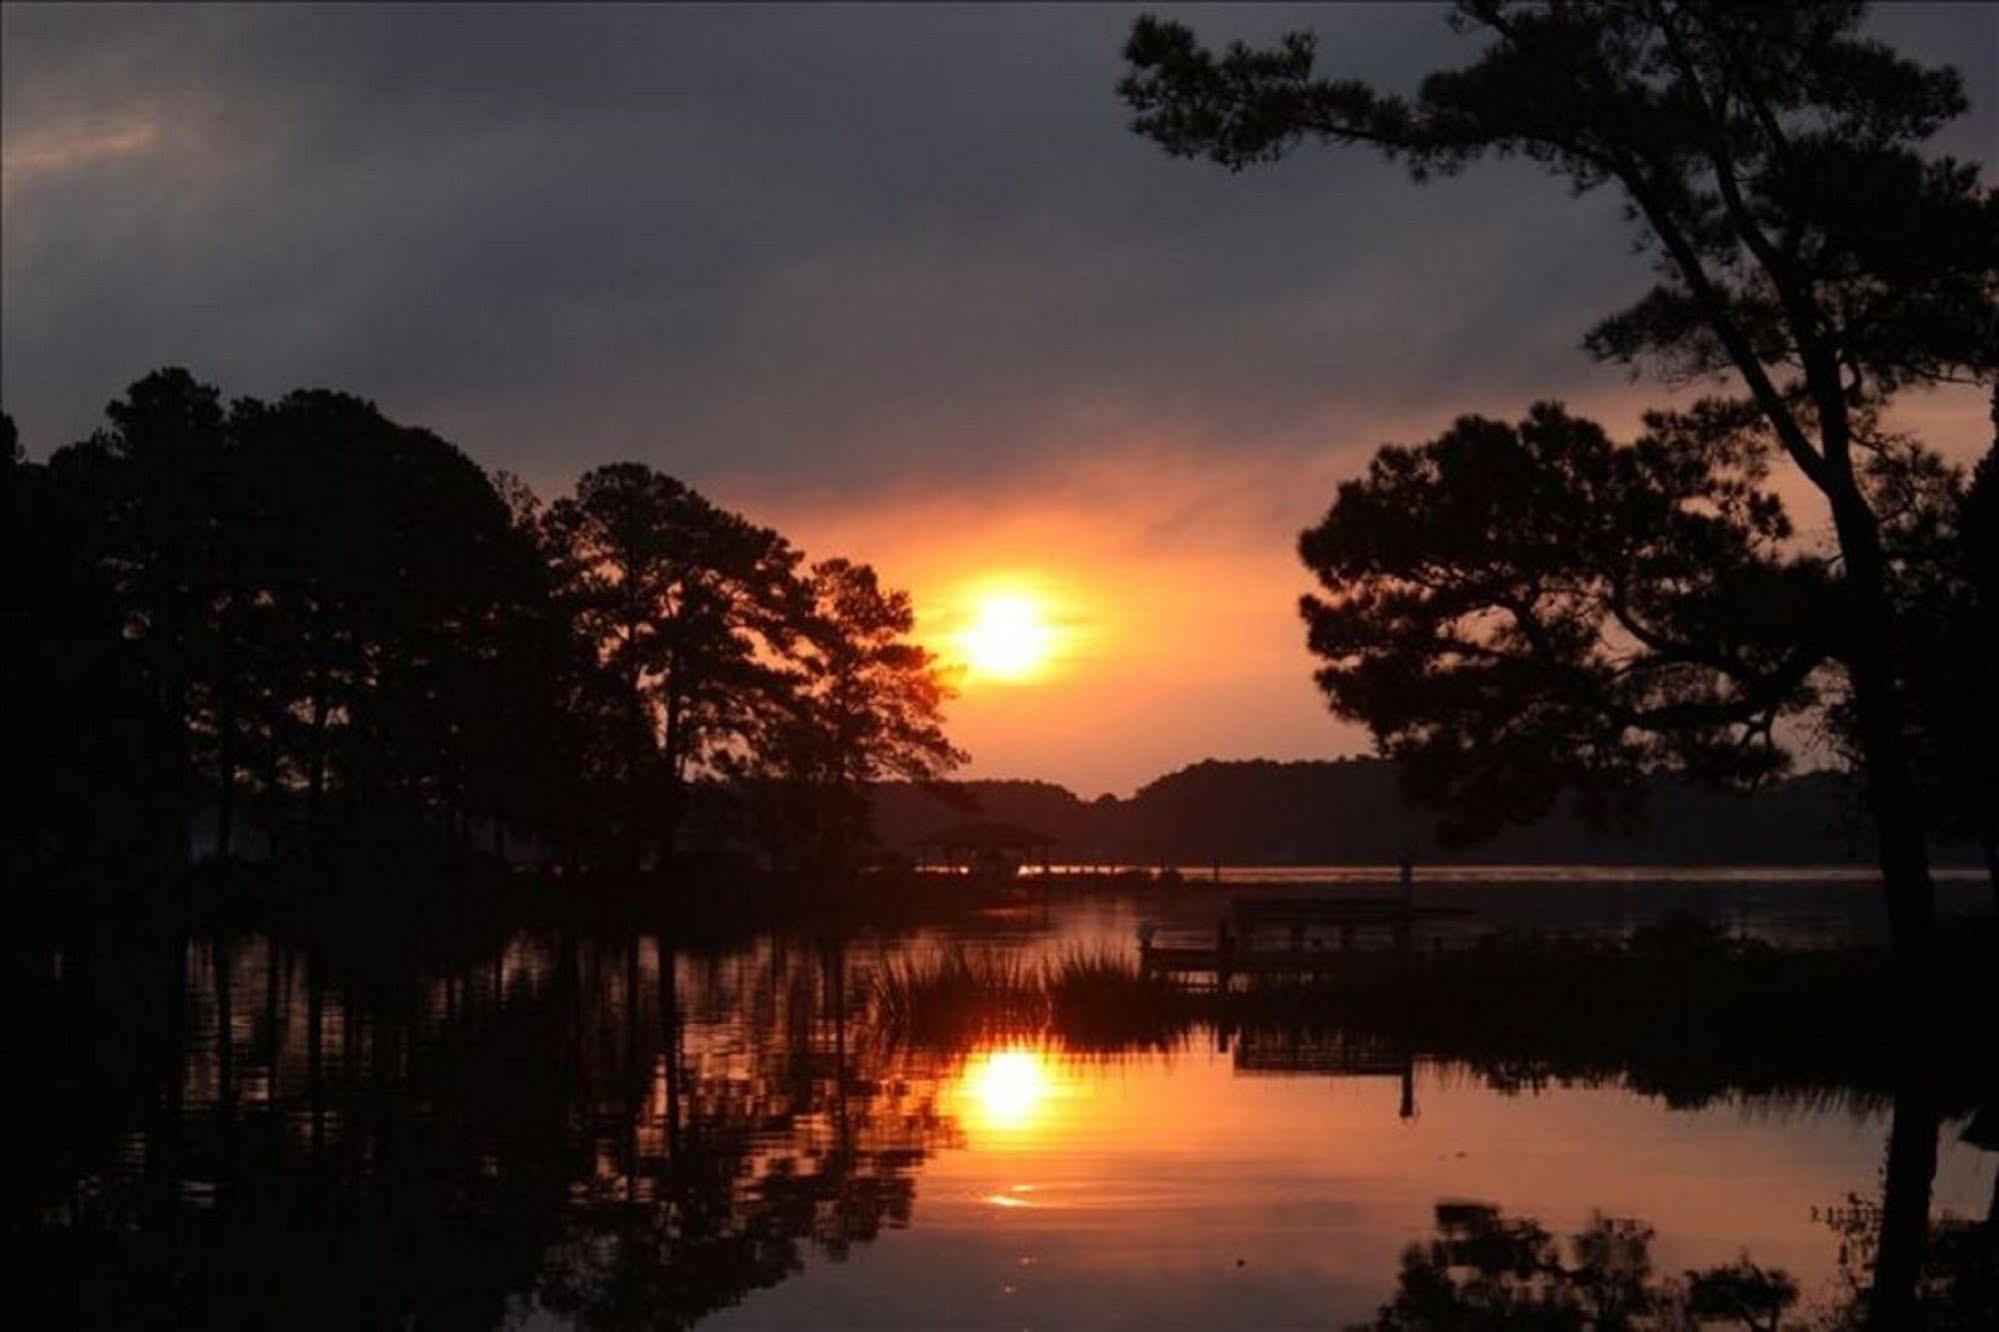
point(1007, 1090)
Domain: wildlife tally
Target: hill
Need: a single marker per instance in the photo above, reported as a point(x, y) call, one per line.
point(1349, 812)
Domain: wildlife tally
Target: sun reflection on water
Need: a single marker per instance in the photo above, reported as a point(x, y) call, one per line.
point(1010, 1093)
point(1007, 1088)
point(1012, 1197)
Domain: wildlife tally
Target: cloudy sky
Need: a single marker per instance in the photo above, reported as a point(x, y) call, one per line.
point(894, 279)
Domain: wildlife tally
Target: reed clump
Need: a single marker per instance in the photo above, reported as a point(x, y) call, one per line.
point(1087, 999)
point(956, 996)
point(1099, 999)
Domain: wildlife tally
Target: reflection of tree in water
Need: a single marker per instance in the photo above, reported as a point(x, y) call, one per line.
point(1487, 1270)
point(723, 1157)
point(1956, 1278)
point(454, 1143)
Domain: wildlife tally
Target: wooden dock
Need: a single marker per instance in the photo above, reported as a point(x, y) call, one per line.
point(1315, 936)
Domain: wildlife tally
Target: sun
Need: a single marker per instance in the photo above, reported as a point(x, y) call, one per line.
point(1009, 637)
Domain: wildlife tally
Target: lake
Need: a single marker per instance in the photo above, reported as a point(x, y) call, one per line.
point(575, 1130)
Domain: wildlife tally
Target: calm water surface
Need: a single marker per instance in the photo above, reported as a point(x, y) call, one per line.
point(572, 1131)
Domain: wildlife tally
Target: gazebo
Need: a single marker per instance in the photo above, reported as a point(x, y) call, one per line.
point(986, 846)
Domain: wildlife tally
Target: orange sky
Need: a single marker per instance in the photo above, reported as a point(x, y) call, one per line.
point(1172, 639)
point(1168, 575)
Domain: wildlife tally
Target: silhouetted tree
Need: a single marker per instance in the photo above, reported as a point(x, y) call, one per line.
point(1523, 610)
point(394, 582)
point(527, 774)
point(132, 523)
point(269, 605)
point(1803, 244)
point(866, 706)
point(686, 608)
point(93, 802)
point(308, 612)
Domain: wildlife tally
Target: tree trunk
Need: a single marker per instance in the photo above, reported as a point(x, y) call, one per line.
point(315, 789)
point(1867, 649)
point(271, 806)
point(1892, 798)
point(639, 743)
point(1905, 1211)
point(675, 763)
point(1904, 855)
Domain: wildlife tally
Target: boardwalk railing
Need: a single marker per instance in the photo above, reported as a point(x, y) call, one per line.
point(1319, 935)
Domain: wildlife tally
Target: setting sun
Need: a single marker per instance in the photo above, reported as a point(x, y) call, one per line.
point(1009, 638)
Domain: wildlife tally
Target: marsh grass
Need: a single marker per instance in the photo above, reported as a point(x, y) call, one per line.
point(1084, 999)
point(956, 997)
point(1098, 999)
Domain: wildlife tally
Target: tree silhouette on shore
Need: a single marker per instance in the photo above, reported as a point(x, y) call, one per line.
point(303, 616)
point(866, 707)
point(1805, 248)
point(681, 604)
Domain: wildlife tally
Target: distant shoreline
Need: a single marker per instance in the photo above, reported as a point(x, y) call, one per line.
point(1347, 815)
point(1361, 874)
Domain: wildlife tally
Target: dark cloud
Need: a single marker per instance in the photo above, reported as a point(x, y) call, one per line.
point(836, 246)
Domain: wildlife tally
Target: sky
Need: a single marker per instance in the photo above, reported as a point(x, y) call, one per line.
point(896, 280)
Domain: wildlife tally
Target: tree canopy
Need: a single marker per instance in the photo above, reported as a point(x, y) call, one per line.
point(866, 707)
point(1520, 611)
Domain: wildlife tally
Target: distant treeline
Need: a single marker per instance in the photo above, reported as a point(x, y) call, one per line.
point(298, 630)
point(1351, 812)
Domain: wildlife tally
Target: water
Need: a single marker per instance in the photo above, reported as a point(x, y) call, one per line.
point(570, 1131)
point(1792, 906)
